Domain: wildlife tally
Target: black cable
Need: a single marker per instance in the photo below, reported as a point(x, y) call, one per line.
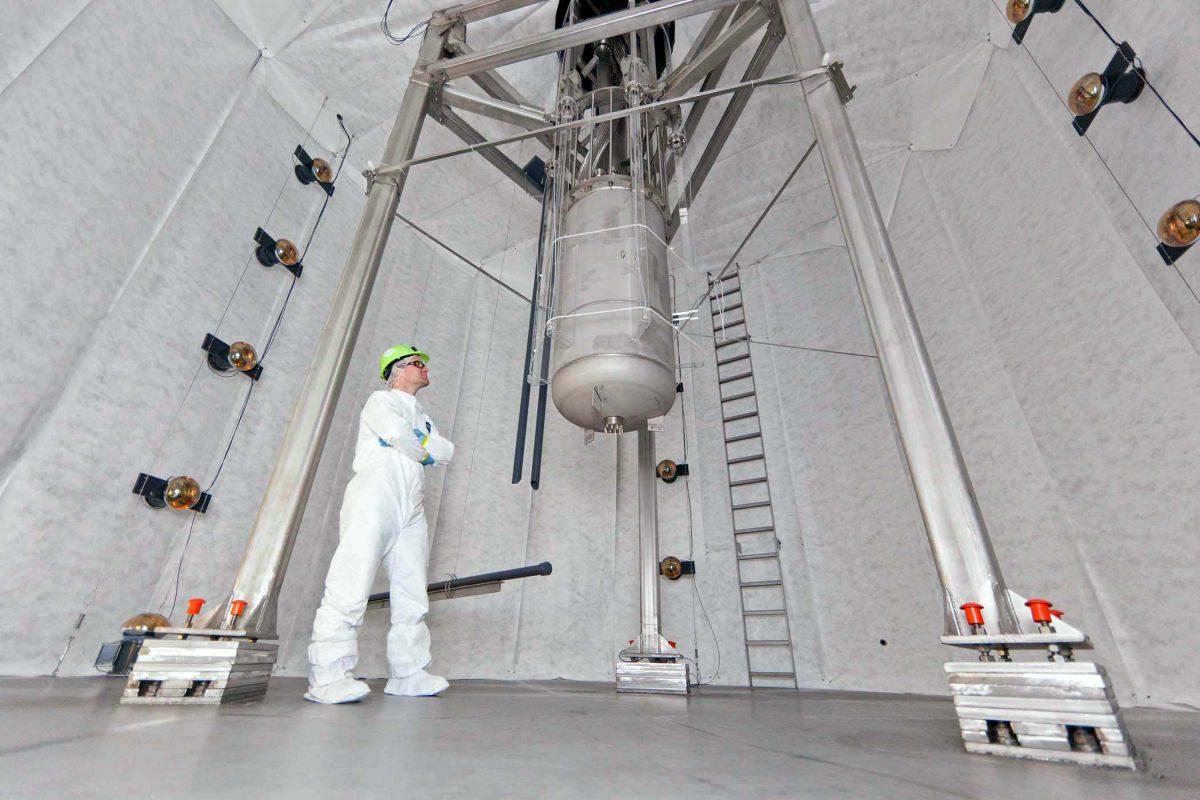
point(1136, 63)
point(179, 567)
point(391, 37)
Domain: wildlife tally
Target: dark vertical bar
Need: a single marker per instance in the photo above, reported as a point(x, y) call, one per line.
point(523, 413)
point(535, 469)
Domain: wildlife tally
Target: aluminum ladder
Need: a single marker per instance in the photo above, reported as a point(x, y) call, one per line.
point(765, 625)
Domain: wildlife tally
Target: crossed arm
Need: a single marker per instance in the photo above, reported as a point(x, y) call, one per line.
point(405, 434)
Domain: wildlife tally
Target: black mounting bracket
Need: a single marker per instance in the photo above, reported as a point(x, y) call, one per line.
point(304, 171)
point(153, 489)
point(218, 357)
point(1171, 254)
point(265, 253)
point(1123, 83)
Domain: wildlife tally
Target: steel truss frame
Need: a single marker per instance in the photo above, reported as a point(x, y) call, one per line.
point(1014, 708)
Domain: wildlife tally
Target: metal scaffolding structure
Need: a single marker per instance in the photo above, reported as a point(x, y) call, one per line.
point(1059, 709)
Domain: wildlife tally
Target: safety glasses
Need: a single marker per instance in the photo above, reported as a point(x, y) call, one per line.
point(416, 362)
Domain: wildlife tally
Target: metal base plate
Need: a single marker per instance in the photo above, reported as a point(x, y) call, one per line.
point(655, 677)
point(1043, 710)
point(200, 671)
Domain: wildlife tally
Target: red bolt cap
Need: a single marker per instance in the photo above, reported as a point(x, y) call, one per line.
point(974, 613)
point(1040, 609)
point(194, 605)
point(1054, 612)
point(237, 607)
point(670, 643)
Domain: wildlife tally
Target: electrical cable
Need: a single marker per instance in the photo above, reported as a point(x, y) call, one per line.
point(391, 37)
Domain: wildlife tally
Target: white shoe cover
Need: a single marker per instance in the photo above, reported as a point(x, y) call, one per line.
point(419, 684)
point(346, 690)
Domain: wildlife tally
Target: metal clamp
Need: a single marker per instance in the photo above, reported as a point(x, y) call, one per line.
point(844, 89)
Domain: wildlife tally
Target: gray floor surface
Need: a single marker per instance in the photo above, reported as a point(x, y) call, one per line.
point(68, 738)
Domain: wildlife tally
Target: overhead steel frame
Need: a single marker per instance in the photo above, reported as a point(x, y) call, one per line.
point(1057, 710)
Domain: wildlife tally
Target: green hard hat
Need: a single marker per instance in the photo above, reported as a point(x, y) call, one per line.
point(398, 353)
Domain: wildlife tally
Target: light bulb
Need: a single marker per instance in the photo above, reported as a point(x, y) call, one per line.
point(1086, 95)
point(182, 492)
point(321, 168)
point(286, 252)
point(144, 623)
point(1018, 10)
point(1180, 226)
point(242, 356)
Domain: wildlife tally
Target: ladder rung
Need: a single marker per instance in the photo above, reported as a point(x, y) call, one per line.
point(734, 276)
point(744, 459)
point(757, 584)
point(725, 293)
point(764, 612)
point(758, 504)
point(773, 675)
point(744, 437)
point(759, 529)
point(736, 417)
point(738, 396)
point(730, 323)
point(748, 481)
point(768, 643)
point(727, 309)
point(723, 361)
point(753, 556)
point(726, 342)
point(737, 377)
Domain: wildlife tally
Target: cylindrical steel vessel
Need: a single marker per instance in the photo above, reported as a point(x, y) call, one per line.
point(614, 358)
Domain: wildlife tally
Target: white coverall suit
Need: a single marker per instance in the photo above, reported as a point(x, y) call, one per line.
point(382, 519)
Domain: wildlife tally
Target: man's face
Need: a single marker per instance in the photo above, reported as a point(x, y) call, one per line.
point(416, 373)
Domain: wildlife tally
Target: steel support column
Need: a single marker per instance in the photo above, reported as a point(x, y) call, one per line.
point(263, 566)
point(650, 640)
point(962, 551)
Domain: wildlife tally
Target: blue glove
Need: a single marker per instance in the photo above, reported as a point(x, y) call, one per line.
point(423, 438)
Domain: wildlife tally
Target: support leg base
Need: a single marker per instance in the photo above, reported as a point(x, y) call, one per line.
point(200, 671)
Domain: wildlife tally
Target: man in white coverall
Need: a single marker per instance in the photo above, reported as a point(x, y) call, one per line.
point(382, 520)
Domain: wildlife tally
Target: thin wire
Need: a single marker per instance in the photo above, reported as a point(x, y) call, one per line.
point(179, 567)
point(391, 37)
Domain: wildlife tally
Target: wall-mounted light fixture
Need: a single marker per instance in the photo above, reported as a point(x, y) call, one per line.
point(272, 251)
point(238, 356)
point(311, 170)
point(179, 492)
point(1178, 230)
point(1021, 13)
point(1121, 82)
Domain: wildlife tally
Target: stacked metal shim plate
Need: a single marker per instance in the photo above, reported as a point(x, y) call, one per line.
point(649, 676)
point(1039, 700)
point(200, 672)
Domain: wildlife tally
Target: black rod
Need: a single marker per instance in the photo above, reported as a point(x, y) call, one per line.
point(523, 412)
point(539, 426)
point(544, 568)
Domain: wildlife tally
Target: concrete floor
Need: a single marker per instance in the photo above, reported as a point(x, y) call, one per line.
point(67, 738)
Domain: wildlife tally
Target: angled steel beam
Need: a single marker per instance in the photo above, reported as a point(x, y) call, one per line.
point(496, 86)
point(523, 116)
point(646, 15)
point(482, 9)
point(737, 104)
point(692, 123)
point(711, 30)
point(463, 130)
point(695, 69)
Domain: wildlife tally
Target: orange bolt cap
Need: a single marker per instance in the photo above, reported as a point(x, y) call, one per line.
point(670, 643)
point(194, 605)
point(237, 607)
point(973, 612)
point(1040, 609)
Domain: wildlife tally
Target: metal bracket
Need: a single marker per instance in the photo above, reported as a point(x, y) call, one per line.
point(844, 89)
